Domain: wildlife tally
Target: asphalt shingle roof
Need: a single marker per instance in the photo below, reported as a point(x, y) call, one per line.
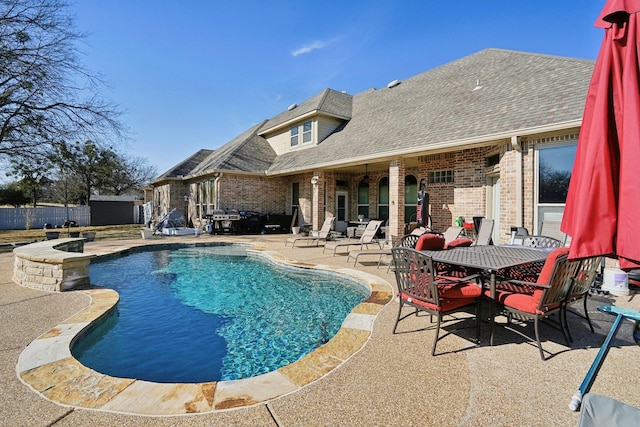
point(519, 91)
point(185, 167)
point(247, 152)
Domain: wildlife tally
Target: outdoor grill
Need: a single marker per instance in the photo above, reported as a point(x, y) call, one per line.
point(224, 221)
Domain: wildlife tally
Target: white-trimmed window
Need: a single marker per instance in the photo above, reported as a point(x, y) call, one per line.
point(302, 132)
point(306, 132)
point(294, 136)
point(554, 165)
point(441, 177)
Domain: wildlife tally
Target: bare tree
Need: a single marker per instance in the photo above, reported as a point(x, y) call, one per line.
point(45, 93)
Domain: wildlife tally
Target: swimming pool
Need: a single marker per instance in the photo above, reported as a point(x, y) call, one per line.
point(211, 313)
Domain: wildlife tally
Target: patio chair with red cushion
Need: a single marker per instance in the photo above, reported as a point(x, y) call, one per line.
point(579, 290)
point(421, 288)
point(547, 298)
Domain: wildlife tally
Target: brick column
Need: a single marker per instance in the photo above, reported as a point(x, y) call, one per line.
point(396, 198)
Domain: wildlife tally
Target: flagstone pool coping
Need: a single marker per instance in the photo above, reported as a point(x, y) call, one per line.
point(47, 366)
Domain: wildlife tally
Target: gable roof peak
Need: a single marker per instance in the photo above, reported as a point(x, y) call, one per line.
point(329, 101)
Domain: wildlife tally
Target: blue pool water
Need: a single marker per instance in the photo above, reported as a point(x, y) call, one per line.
point(211, 313)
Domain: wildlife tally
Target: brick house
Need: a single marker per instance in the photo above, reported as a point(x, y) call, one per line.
point(492, 134)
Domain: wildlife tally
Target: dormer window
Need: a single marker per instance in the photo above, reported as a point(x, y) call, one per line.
point(307, 135)
point(306, 132)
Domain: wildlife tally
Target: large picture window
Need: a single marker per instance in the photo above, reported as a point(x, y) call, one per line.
point(554, 171)
point(554, 166)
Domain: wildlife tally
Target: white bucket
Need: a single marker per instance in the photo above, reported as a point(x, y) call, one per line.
point(295, 230)
point(615, 281)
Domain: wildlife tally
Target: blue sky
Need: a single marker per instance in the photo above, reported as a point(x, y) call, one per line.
point(194, 74)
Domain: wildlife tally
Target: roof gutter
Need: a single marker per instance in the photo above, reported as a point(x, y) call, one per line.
point(211, 173)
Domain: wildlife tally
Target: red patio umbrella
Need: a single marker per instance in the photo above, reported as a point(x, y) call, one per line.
point(602, 211)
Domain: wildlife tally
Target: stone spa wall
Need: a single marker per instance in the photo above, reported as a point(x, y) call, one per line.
point(52, 265)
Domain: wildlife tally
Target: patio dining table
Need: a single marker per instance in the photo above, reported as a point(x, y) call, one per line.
point(490, 259)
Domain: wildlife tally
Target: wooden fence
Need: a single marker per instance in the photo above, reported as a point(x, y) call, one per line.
point(28, 218)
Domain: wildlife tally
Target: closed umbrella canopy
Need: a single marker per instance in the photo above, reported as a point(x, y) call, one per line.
point(603, 203)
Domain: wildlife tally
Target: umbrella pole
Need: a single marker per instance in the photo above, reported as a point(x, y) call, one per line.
point(584, 388)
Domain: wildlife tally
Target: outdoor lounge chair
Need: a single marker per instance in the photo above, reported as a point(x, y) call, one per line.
point(406, 241)
point(420, 288)
point(368, 237)
point(484, 232)
point(322, 234)
point(452, 233)
point(384, 250)
point(549, 292)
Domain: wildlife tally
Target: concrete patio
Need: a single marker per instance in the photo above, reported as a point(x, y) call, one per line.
point(392, 380)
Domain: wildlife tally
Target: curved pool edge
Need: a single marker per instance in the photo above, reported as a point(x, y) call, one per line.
point(47, 366)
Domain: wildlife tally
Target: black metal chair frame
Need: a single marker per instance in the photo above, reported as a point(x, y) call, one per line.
point(541, 242)
point(406, 241)
point(584, 278)
point(416, 278)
